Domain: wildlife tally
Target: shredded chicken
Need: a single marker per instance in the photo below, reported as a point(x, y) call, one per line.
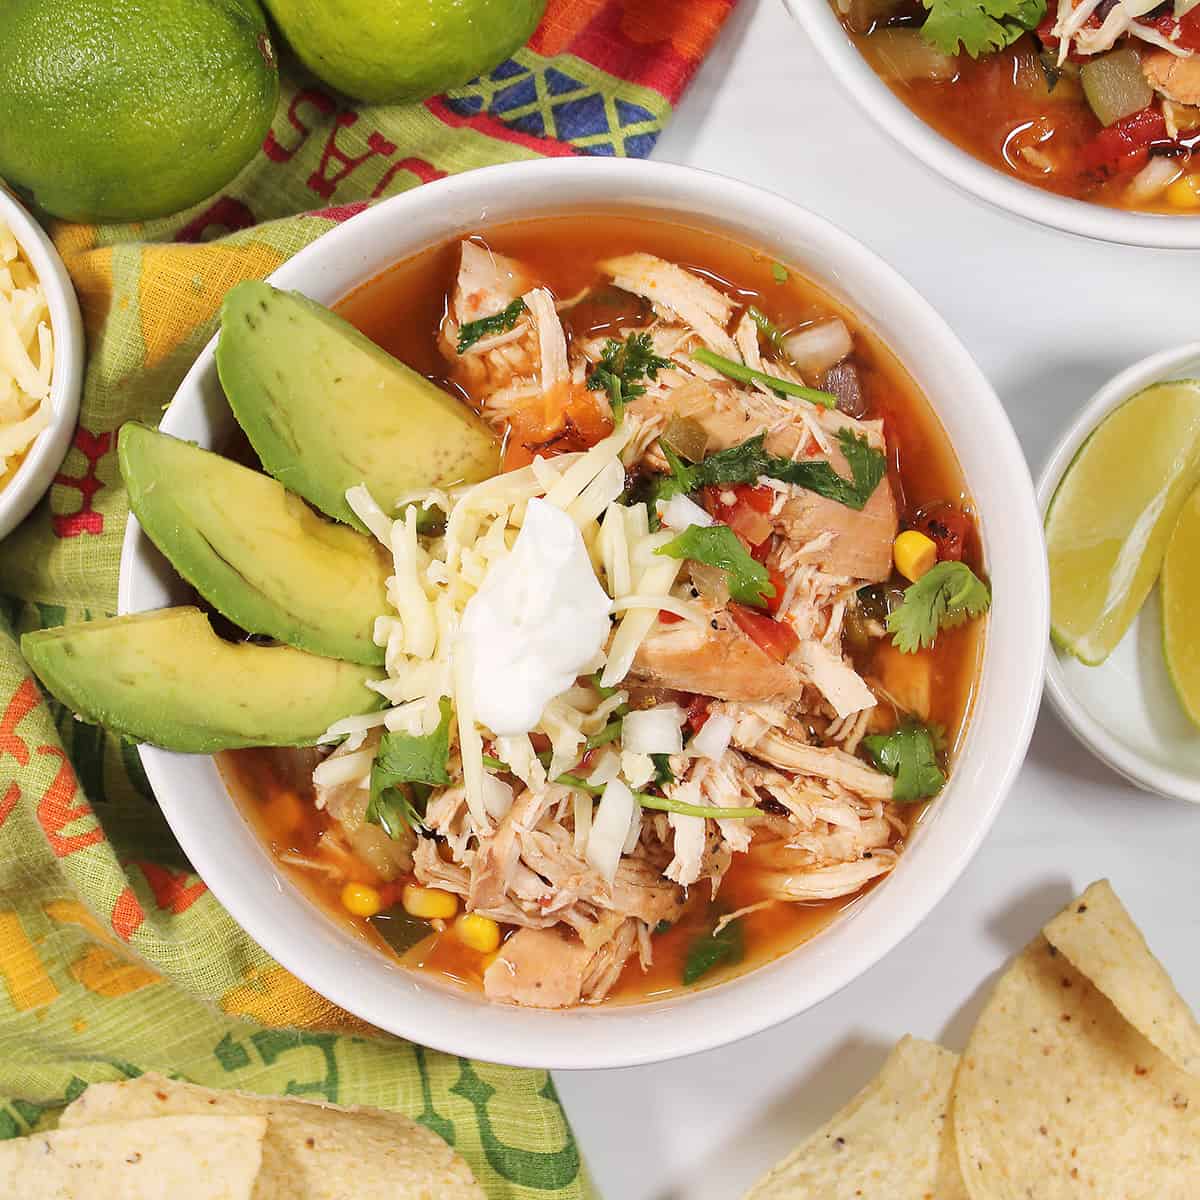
point(821, 822)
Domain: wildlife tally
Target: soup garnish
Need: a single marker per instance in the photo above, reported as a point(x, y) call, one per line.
point(1093, 99)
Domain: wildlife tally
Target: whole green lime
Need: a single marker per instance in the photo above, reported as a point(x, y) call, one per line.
point(129, 109)
point(386, 51)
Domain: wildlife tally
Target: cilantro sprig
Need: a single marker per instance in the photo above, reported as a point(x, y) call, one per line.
point(979, 26)
point(783, 387)
point(405, 768)
point(500, 322)
point(909, 755)
point(622, 367)
point(745, 462)
point(946, 595)
point(718, 546)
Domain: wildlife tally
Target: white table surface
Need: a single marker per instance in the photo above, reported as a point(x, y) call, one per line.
point(1048, 317)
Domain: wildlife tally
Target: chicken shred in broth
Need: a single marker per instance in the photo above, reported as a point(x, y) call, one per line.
point(798, 684)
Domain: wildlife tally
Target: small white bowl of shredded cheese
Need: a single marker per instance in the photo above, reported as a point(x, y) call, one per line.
point(41, 363)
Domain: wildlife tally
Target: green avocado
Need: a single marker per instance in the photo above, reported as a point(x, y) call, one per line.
point(166, 678)
point(255, 552)
point(326, 409)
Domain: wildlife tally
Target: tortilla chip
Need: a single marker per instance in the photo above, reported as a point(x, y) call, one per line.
point(1102, 942)
point(893, 1141)
point(180, 1158)
point(1059, 1097)
point(310, 1148)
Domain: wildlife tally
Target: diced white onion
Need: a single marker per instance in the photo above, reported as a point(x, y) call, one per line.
point(497, 797)
point(1153, 179)
point(654, 730)
point(637, 769)
point(607, 768)
point(713, 739)
point(680, 512)
point(610, 827)
point(343, 768)
point(818, 347)
point(583, 805)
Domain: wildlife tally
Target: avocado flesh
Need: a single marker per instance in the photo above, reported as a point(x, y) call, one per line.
point(256, 553)
point(326, 409)
point(166, 678)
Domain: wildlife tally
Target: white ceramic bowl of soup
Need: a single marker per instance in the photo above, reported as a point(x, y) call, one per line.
point(968, 173)
point(238, 867)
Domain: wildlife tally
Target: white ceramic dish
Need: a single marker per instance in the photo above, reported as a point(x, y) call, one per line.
point(1126, 710)
point(45, 456)
point(898, 121)
point(238, 868)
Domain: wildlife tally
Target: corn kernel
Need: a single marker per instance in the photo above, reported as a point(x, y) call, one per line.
point(361, 899)
point(428, 903)
point(480, 933)
point(1185, 192)
point(914, 554)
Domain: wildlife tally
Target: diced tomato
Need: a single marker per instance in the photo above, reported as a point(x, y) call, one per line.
point(1125, 145)
point(780, 585)
point(1188, 26)
point(540, 742)
point(697, 712)
point(390, 893)
point(949, 528)
point(747, 515)
point(669, 618)
point(762, 551)
point(773, 637)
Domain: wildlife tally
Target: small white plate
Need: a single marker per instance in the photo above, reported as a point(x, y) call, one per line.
point(45, 456)
point(1125, 710)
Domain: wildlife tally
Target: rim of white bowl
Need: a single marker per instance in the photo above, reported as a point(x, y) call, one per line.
point(1145, 772)
point(36, 473)
point(363, 981)
point(990, 184)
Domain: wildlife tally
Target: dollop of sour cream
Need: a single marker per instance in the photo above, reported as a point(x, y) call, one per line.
point(538, 619)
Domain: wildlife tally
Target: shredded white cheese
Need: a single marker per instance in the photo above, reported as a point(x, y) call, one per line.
point(26, 356)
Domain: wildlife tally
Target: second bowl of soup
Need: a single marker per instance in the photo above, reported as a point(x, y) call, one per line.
point(1082, 116)
point(688, 701)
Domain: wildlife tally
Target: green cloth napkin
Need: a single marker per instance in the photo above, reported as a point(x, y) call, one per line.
point(114, 957)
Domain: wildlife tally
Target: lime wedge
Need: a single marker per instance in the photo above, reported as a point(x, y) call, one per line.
point(1109, 521)
point(1180, 589)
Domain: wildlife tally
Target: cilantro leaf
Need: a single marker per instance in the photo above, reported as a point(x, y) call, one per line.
point(979, 26)
point(946, 595)
point(500, 322)
point(662, 768)
point(718, 546)
point(745, 462)
point(711, 950)
point(406, 767)
point(745, 374)
point(622, 366)
point(910, 757)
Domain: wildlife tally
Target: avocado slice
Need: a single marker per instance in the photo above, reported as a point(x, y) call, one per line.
point(166, 678)
point(326, 409)
point(255, 552)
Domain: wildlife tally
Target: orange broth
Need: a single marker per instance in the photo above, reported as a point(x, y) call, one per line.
point(401, 310)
